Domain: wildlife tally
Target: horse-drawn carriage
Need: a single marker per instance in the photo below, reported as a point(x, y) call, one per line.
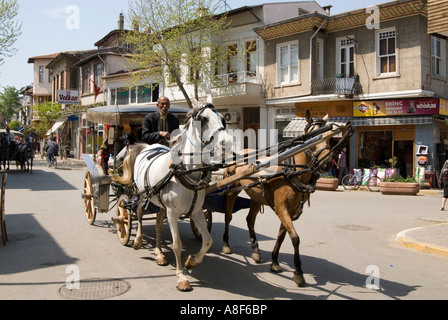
point(21, 152)
point(173, 183)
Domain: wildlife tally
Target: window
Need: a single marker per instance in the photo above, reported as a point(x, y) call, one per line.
point(288, 63)
point(320, 58)
point(251, 58)
point(99, 69)
point(142, 94)
point(346, 56)
point(41, 74)
point(86, 80)
point(438, 57)
point(386, 52)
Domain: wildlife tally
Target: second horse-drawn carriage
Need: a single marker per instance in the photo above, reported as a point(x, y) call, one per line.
point(175, 183)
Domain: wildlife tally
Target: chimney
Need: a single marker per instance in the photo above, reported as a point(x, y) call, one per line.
point(121, 22)
point(327, 9)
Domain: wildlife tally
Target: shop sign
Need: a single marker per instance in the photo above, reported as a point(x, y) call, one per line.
point(443, 107)
point(396, 107)
point(68, 96)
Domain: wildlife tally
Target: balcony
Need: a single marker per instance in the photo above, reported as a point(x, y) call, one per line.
point(238, 77)
point(244, 85)
point(340, 85)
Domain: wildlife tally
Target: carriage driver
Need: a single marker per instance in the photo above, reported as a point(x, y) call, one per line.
point(158, 126)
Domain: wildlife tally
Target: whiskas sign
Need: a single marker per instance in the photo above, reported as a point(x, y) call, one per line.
point(397, 107)
point(68, 96)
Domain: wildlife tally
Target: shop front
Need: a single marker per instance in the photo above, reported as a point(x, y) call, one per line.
point(388, 133)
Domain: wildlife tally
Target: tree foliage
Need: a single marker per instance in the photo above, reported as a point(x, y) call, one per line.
point(9, 103)
point(10, 28)
point(176, 41)
point(46, 112)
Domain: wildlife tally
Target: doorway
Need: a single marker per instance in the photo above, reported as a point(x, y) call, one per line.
point(404, 151)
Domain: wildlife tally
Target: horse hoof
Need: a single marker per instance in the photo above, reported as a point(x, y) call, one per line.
point(184, 286)
point(137, 244)
point(299, 280)
point(275, 268)
point(161, 261)
point(226, 250)
point(190, 264)
point(256, 257)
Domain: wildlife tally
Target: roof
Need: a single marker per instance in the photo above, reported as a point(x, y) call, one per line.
point(44, 57)
point(347, 20)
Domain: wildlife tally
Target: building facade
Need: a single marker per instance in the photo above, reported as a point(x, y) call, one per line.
point(377, 66)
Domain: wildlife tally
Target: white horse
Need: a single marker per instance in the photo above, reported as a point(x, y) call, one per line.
point(174, 181)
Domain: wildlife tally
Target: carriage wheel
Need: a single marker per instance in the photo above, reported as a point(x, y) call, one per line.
point(89, 205)
point(208, 219)
point(124, 220)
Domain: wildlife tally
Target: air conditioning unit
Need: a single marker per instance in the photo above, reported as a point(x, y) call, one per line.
point(231, 117)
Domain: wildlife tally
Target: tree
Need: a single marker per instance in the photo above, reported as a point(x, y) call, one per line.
point(177, 41)
point(46, 112)
point(9, 103)
point(9, 28)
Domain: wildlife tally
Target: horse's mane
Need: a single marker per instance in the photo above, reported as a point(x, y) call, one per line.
point(128, 164)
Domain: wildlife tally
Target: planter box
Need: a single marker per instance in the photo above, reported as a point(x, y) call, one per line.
point(327, 184)
point(399, 188)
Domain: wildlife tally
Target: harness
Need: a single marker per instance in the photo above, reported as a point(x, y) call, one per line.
point(178, 170)
point(291, 172)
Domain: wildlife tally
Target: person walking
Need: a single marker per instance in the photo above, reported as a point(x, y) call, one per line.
point(158, 126)
point(342, 164)
point(444, 180)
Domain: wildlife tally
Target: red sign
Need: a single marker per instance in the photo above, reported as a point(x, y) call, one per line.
point(396, 107)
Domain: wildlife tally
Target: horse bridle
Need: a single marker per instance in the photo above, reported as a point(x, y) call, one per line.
point(196, 116)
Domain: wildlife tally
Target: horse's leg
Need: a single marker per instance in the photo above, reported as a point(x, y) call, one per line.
point(250, 219)
point(275, 267)
point(138, 242)
point(287, 224)
point(230, 202)
point(160, 258)
point(200, 223)
point(182, 282)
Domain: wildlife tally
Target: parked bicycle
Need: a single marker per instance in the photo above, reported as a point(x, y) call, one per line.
point(351, 182)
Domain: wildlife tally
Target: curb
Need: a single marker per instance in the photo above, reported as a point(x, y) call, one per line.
point(407, 242)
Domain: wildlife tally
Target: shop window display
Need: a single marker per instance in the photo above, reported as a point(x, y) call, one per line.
point(375, 147)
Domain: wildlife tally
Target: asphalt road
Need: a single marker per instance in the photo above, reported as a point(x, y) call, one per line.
point(348, 250)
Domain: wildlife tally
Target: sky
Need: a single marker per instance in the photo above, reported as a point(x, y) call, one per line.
point(51, 26)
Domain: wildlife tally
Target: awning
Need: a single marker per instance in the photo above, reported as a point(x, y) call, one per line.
point(113, 115)
point(55, 127)
point(392, 121)
point(297, 126)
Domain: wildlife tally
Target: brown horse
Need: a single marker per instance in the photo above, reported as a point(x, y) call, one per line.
point(285, 196)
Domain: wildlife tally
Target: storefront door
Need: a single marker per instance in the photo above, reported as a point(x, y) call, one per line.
point(404, 151)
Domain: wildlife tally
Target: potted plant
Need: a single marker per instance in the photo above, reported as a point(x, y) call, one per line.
point(327, 183)
point(399, 186)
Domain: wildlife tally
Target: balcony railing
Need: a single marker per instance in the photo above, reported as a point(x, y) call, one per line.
point(238, 77)
point(341, 85)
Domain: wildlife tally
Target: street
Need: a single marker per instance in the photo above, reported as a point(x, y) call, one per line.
point(348, 249)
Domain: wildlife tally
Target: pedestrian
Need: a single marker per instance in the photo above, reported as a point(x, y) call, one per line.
point(102, 158)
point(444, 180)
point(52, 150)
point(158, 126)
point(334, 165)
point(342, 164)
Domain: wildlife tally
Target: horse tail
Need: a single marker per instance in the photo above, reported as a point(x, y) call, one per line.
point(128, 165)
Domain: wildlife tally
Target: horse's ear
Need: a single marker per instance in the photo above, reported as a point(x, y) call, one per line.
point(325, 119)
point(308, 117)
